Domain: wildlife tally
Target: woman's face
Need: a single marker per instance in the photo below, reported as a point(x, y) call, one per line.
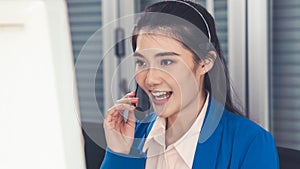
point(167, 73)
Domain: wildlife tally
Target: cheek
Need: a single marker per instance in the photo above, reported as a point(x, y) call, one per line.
point(186, 82)
point(184, 76)
point(140, 77)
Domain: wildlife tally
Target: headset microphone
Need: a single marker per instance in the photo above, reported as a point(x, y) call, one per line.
point(143, 106)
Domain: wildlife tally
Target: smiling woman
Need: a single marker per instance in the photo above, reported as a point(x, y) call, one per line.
point(168, 74)
point(180, 66)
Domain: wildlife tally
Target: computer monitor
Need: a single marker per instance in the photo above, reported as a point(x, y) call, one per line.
point(39, 122)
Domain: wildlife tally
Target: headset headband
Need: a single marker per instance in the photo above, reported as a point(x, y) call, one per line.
point(208, 30)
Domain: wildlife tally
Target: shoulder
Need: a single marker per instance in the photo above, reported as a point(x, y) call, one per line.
point(250, 143)
point(220, 122)
point(242, 128)
point(240, 123)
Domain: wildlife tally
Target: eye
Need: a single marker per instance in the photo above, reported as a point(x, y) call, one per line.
point(140, 63)
point(166, 62)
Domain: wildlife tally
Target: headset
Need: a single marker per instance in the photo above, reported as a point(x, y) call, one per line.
point(195, 9)
point(144, 106)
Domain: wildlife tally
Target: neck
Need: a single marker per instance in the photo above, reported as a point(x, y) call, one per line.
point(181, 122)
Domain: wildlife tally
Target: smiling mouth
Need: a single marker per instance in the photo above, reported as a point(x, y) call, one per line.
point(161, 97)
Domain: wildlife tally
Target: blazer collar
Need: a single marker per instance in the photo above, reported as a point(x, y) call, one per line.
point(212, 119)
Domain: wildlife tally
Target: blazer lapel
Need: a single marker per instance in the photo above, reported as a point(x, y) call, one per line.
point(209, 142)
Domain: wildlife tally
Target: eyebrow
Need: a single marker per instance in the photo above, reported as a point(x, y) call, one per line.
point(137, 54)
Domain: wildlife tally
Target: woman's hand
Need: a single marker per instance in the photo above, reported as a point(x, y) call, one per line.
point(119, 133)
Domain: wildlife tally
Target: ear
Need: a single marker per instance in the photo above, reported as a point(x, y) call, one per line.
point(207, 64)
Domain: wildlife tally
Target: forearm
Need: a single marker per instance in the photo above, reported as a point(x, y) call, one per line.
point(114, 160)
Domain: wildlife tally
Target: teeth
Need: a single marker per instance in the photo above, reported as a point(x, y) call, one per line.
point(157, 94)
point(160, 98)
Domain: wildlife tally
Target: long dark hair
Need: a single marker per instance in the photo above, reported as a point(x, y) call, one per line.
point(189, 26)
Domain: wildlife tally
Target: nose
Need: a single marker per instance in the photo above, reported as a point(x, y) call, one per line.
point(153, 78)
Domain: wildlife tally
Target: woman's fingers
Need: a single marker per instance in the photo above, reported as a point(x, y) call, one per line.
point(119, 133)
point(116, 110)
point(112, 112)
point(132, 101)
point(115, 116)
point(129, 95)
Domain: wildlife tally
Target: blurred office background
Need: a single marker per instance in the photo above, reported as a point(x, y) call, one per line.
point(260, 39)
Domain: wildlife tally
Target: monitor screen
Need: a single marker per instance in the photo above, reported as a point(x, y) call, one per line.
point(39, 123)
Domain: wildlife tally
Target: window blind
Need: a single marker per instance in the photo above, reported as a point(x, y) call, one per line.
point(142, 4)
point(202, 2)
point(220, 12)
point(286, 73)
point(85, 19)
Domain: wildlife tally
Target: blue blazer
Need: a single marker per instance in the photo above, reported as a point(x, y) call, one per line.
point(226, 141)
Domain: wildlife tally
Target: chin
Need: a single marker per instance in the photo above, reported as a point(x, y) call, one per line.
point(161, 115)
point(159, 111)
point(163, 112)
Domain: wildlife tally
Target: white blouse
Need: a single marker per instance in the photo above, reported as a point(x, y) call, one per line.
point(179, 155)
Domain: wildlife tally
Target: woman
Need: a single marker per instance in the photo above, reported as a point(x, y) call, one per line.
point(180, 66)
